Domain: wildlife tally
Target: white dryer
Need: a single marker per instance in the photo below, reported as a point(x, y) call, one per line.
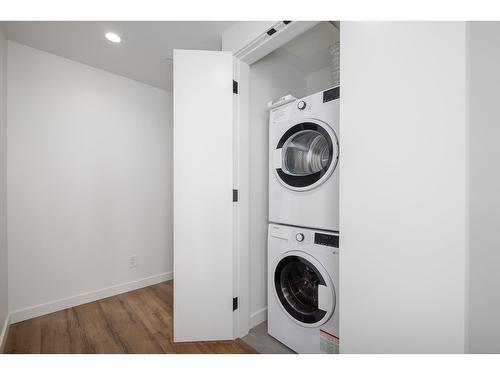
point(303, 294)
point(304, 157)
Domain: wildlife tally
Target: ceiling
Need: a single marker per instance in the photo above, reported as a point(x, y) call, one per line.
point(145, 53)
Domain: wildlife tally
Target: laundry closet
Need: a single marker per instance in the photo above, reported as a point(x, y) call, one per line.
point(307, 65)
point(286, 60)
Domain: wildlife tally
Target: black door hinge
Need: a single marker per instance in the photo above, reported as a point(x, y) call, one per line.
point(235, 303)
point(235, 195)
point(235, 87)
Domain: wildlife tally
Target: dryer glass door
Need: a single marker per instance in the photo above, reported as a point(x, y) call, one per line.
point(308, 155)
point(297, 283)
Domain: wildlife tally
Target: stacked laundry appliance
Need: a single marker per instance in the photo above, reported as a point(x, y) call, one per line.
point(303, 237)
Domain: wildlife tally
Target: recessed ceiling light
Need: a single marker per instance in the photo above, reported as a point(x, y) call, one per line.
point(112, 37)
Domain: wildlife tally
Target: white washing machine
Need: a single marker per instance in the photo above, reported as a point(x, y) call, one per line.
point(303, 277)
point(304, 158)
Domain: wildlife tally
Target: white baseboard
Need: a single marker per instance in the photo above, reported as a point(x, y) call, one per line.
point(4, 333)
point(258, 317)
point(80, 299)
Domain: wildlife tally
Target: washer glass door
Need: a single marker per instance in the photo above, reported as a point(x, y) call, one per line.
point(297, 284)
point(308, 155)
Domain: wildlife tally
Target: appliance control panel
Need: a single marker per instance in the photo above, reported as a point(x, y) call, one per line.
point(303, 236)
point(331, 240)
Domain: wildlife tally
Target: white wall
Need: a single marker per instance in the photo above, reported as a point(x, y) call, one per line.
point(89, 181)
point(403, 191)
point(271, 77)
point(320, 80)
point(319, 60)
point(4, 303)
point(484, 117)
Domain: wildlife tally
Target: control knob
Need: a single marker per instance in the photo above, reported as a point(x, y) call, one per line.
point(299, 237)
point(301, 105)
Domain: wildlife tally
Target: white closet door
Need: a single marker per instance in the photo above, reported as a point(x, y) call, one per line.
point(203, 183)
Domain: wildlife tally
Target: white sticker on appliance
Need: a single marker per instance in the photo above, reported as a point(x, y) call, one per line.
point(281, 114)
point(328, 343)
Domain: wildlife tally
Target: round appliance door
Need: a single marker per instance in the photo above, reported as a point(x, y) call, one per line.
point(304, 289)
point(306, 155)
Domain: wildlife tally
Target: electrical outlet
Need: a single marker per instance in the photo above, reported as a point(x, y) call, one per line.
point(132, 261)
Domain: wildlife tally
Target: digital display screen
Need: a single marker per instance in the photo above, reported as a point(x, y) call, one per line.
point(326, 239)
point(331, 94)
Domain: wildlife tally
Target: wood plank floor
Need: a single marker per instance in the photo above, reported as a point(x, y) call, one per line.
point(135, 322)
